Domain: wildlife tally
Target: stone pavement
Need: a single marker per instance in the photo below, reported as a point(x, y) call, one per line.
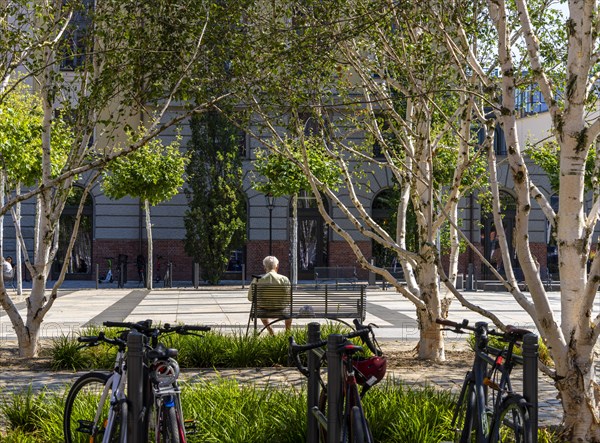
point(227, 309)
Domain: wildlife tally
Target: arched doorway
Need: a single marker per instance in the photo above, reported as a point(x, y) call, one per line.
point(237, 256)
point(385, 213)
point(313, 235)
point(80, 264)
point(491, 249)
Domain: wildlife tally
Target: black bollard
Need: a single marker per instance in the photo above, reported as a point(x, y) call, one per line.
point(136, 429)
point(314, 387)
point(530, 380)
point(334, 388)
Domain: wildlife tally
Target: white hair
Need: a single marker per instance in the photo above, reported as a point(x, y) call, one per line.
point(270, 263)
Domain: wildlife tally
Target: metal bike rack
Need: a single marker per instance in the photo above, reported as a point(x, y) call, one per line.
point(121, 282)
point(334, 387)
point(530, 380)
point(168, 281)
point(136, 419)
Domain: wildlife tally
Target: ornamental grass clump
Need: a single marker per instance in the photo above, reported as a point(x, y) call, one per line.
point(226, 410)
point(213, 349)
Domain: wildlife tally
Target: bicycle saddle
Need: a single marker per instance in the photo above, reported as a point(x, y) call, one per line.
point(161, 352)
point(350, 348)
point(517, 332)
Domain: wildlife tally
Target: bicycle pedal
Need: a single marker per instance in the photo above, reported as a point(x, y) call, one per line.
point(85, 427)
point(190, 426)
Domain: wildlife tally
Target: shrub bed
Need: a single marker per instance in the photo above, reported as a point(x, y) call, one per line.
point(225, 411)
point(214, 349)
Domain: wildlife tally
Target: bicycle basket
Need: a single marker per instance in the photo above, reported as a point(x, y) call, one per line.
point(370, 371)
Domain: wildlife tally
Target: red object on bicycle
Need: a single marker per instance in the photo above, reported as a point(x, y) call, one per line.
point(370, 371)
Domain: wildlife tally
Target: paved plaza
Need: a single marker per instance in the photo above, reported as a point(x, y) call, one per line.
point(226, 309)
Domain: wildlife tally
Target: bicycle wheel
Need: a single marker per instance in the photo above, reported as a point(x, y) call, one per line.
point(464, 412)
point(513, 424)
point(82, 404)
point(170, 425)
point(357, 427)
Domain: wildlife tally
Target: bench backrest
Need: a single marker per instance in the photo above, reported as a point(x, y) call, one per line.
point(333, 273)
point(328, 301)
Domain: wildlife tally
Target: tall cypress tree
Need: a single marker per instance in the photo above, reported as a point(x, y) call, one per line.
point(215, 221)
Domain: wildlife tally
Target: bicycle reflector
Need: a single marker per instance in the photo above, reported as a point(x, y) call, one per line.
point(370, 370)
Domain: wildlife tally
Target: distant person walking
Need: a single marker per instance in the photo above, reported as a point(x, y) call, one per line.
point(279, 293)
point(141, 268)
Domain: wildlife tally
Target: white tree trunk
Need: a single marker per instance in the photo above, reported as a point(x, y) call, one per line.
point(431, 343)
point(295, 239)
point(149, 277)
point(403, 205)
point(571, 340)
point(18, 251)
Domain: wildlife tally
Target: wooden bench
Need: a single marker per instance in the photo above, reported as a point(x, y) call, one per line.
point(337, 274)
point(332, 302)
point(397, 272)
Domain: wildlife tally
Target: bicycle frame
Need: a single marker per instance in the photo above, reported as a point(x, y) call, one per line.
point(164, 399)
point(480, 412)
point(116, 385)
point(349, 412)
point(113, 392)
point(166, 395)
point(352, 399)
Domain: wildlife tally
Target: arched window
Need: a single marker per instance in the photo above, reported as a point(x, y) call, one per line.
point(81, 255)
point(385, 213)
point(489, 235)
point(237, 258)
point(313, 235)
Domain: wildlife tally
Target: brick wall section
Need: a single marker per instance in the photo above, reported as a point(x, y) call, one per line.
point(170, 250)
point(257, 250)
point(341, 254)
point(538, 250)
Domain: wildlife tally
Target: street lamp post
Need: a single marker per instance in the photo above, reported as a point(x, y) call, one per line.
point(270, 200)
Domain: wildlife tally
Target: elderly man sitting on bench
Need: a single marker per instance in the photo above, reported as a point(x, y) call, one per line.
point(278, 292)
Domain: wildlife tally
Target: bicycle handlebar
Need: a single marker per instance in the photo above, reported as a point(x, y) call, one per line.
point(182, 329)
point(101, 337)
point(458, 326)
point(362, 331)
point(141, 326)
point(145, 327)
point(512, 333)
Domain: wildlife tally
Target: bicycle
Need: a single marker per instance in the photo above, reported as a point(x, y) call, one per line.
point(488, 410)
point(365, 372)
point(162, 405)
point(96, 409)
point(108, 278)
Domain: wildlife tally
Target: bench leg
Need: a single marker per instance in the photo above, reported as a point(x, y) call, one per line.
point(267, 323)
